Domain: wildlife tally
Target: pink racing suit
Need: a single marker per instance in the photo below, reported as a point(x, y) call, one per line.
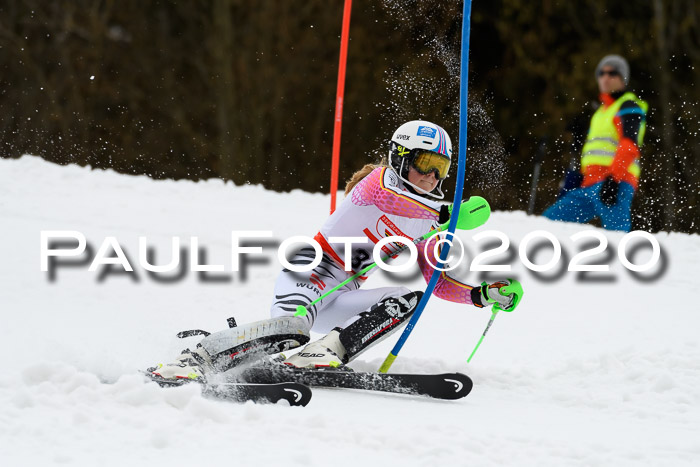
point(378, 206)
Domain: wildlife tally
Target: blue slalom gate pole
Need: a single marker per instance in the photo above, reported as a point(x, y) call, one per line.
point(461, 167)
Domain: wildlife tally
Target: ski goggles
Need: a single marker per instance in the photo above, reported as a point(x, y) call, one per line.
point(426, 162)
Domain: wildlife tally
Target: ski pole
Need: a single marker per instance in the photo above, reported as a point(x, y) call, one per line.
point(516, 290)
point(539, 155)
point(493, 316)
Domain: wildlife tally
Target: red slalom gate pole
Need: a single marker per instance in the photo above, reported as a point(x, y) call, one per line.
point(339, 101)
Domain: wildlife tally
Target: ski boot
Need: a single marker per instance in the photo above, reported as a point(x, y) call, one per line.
point(342, 345)
point(327, 352)
point(189, 365)
point(221, 351)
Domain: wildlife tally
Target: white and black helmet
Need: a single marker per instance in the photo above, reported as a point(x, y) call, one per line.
point(424, 146)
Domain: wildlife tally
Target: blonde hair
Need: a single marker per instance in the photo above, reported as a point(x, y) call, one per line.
point(359, 175)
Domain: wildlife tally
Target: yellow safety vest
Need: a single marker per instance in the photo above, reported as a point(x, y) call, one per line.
point(602, 139)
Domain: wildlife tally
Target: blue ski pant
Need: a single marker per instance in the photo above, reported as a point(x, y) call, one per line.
point(583, 204)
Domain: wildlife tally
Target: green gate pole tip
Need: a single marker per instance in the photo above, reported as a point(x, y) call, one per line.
point(301, 311)
point(387, 363)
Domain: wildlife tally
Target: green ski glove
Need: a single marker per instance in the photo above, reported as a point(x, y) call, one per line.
point(505, 295)
point(473, 213)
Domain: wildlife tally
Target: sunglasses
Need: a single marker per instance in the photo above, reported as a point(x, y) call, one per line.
point(611, 73)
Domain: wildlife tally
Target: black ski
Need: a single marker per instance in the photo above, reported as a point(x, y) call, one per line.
point(293, 392)
point(439, 386)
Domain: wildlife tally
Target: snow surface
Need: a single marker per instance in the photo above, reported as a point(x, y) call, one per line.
point(583, 373)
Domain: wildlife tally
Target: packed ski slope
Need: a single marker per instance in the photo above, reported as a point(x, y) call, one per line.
point(582, 373)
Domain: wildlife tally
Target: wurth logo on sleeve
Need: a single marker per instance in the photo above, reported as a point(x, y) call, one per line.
point(315, 280)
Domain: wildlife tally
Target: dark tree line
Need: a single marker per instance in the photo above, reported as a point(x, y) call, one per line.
point(244, 90)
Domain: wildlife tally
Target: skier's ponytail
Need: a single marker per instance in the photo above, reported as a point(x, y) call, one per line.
point(359, 175)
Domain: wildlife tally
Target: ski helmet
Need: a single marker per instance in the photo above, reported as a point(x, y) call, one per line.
point(424, 146)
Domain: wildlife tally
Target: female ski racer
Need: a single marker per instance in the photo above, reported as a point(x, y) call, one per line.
point(381, 201)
